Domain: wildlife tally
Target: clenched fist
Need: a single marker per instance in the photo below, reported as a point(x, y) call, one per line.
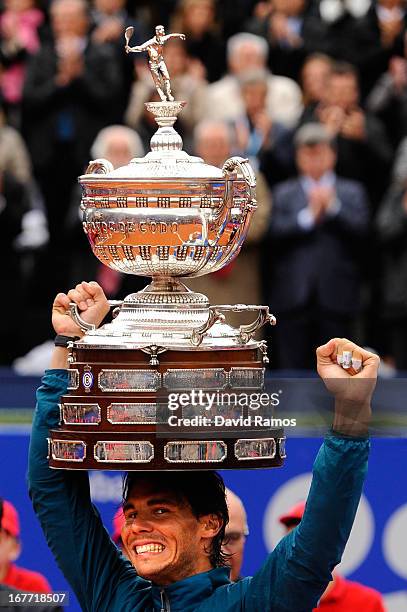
point(350, 374)
point(91, 301)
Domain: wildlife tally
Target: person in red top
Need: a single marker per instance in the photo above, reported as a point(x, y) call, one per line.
point(341, 595)
point(10, 548)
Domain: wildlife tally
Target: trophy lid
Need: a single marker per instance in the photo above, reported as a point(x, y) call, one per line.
point(165, 160)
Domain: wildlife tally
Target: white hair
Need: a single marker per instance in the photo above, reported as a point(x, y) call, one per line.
point(208, 124)
point(238, 40)
point(101, 142)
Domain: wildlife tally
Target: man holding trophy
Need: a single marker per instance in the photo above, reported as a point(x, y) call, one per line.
point(175, 521)
point(169, 215)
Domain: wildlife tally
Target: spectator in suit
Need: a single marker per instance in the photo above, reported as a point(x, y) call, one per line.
point(318, 223)
point(363, 149)
point(72, 90)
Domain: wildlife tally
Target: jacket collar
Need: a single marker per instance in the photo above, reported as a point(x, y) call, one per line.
point(185, 594)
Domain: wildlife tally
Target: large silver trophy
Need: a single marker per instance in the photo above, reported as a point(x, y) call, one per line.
point(167, 216)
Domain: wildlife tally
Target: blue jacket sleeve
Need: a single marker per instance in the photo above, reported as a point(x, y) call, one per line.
point(92, 564)
point(297, 572)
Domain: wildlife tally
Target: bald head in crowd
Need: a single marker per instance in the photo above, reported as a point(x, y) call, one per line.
point(213, 141)
point(236, 532)
point(117, 143)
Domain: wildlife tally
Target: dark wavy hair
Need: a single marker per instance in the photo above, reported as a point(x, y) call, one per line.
point(203, 491)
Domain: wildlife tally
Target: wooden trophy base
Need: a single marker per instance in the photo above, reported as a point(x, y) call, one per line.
point(126, 411)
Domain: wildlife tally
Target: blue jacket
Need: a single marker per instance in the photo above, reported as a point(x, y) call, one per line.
point(292, 578)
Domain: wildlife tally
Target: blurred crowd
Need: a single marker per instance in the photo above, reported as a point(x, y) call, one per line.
point(313, 92)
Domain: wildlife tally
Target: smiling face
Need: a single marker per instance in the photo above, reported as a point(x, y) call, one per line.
point(162, 537)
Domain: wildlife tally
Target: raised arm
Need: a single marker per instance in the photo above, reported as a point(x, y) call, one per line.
point(72, 526)
point(174, 35)
point(297, 572)
point(139, 48)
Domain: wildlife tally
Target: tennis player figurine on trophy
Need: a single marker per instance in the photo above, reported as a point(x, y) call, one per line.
point(155, 48)
point(134, 382)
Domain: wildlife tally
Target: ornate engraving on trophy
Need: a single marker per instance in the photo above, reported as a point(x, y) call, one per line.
point(73, 379)
point(68, 450)
point(281, 448)
point(123, 452)
point(129, 380)
point(181, 253)
point(114, 252)
point(80, 414)
point(163, 202)
point(195, 451)
point(185, 202)
point(199, 251)
point(105, 228)
point(129, 253)
point(141, 202)
point(163, 252)
point(255, 448)
point(246, 378)
point(122, 413)
point(197, 378)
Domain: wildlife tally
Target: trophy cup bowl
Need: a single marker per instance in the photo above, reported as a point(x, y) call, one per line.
point(175, 226)
point(167, 216)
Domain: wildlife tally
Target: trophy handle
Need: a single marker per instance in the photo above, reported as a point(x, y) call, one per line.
point(246, 332)
point(199, 332)
point(99, 166)
point(243, 166)
point(84, 325)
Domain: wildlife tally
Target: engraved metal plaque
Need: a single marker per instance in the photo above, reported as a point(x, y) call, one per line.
point(281, 448)
point(68, 450)
point(84, 414)
point(135, 414)
point(250, 378)
point(129, 380)
point(195, 451)
point(124, 452)
point(262, 448)
point(73, 380)
point(197, 378)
